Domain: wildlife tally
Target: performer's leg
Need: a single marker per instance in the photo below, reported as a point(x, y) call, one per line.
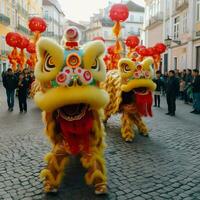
point(52, 175)
point(95, 162)
point(143, 130)
point(127, 127)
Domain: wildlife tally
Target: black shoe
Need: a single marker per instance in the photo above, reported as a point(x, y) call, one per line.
point(158, 106)
point(172, 114)
point(11, 109)
point(193, 111)
point(25, 111)
point(155, 106)
point(21, 111)
point(168, 113)
point(196, 112)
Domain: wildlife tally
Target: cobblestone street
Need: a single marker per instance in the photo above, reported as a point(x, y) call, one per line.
point(164, 166)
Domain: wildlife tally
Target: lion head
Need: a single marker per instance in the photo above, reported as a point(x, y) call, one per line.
point(70, 78)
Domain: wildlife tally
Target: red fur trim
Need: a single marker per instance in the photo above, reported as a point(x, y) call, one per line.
point(77, 133)
point(144, 104)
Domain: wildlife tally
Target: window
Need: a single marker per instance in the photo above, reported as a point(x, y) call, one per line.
point(2, 7)
point(185, 22)
point(132, 18)
point(141, 19)
point(176, 27)
point(46, 13)
point(175, 62)
point(198, 10)
point(106, 34)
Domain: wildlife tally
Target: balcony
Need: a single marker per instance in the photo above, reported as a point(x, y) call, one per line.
point(22, 29)
point(180, 5)
point(155, 20)
point(4, 20)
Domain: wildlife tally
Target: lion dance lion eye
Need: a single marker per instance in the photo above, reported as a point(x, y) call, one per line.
point(95, 66)
point(48, 64)
point(125, 67)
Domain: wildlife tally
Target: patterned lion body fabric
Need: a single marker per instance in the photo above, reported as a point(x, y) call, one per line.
point(130, 89)
point(68, 79)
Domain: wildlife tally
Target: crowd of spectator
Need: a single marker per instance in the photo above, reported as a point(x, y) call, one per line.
point(18, 83)
point(184, 85)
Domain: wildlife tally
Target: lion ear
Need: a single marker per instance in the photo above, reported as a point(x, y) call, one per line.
point(146, 64)
point(92, 50)
point(50, 59)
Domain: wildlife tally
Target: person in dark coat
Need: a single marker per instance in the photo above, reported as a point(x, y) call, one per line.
point(196, 91)
point(10, 84)
point(172, 89)
point(159, 85)
point(188, 81)
point(22, 93)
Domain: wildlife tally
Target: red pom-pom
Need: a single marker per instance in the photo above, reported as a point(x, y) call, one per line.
point(119, 12)
point(132, 41)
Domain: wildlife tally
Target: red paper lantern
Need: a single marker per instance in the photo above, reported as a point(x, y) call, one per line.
point(132, 41)
point(13, 39)
point(138, 48)
point(119, 12)
point(23, 43)
point(37, 24)
point(151, 51)
point(111, 49)
point(99, 38)
point(160, 48)
point(31, 48)
point(143, 52)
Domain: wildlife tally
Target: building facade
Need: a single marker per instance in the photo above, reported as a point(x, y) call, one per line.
point(177, 21)
point(55, 17)
point(101, 25)
point(14, 15)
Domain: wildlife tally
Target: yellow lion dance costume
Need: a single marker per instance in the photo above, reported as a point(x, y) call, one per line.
point(72, 104)
point(130, 89)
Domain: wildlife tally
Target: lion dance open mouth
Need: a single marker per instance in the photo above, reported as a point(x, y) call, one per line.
point(72, 104)
point(130, 89)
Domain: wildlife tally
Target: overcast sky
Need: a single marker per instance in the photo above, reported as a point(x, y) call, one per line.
point(82, 10)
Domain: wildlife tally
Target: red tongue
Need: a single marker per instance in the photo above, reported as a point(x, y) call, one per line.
point(144, 104)
point(77, 132)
